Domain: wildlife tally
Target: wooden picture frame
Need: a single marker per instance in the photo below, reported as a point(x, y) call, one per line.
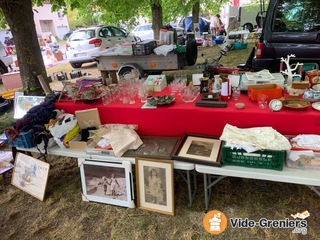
point(30, 175)
point(155, 185)
point(154, 147)
point(107, 182)
point(199, 149)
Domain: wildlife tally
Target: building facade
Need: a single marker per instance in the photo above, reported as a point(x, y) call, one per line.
point(48, 22)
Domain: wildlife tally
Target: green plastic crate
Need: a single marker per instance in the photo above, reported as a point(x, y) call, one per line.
point(268, 159)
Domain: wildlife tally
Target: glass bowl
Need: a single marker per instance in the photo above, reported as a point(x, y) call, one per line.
point(189, 94)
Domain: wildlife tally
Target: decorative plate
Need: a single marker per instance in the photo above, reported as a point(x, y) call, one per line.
point(161, 100)
point(316, 106)
point(296, 104)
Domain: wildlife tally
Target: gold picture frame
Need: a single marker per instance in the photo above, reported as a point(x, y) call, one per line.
point(30, 175)
point(155, 185)
point(199, 149)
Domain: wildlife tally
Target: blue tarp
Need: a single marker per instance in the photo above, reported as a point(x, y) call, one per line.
point(188, 25)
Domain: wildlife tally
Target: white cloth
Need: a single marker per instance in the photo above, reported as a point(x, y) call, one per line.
point(164, 49)
point(307, 140)
point(253, 139)
point(121, 137)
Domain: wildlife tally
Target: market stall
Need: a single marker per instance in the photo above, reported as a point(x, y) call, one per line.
point(179, 117)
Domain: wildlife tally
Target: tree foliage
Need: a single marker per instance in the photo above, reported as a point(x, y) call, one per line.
point(19, 17)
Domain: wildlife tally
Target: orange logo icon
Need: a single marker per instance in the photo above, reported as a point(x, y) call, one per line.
point(215, 222)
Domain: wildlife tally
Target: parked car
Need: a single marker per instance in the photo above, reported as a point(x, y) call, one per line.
point(84, 43)
point(143, 32)
point(289, 27)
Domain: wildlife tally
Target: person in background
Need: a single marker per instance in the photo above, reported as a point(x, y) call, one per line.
point(215, 24)
point(8, 42)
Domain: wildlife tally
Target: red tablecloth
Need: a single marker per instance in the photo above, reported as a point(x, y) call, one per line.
point(179, 118)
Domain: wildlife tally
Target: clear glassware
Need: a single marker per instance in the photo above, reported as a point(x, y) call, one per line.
point(189, 94)
point(143, 92)
point(236, 93)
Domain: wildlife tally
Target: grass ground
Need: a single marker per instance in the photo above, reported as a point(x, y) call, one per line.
point(63, 214)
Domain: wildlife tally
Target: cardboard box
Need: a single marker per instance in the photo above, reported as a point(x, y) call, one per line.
point(78, 145)
point(278, 79)
point(58, 56)
point(92, 150)
point(88, 118)
point(156, 82)
point(12, 80)
point(303, 159)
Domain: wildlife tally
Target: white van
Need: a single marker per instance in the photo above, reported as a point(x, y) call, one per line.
point(245, 15)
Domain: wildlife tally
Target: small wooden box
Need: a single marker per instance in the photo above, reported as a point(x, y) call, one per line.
point(300, 84)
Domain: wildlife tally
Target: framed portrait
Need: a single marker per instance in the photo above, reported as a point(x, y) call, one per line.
point(107, 182)
point(199, 149)
point(24, 104)
point(154, 147)
point(30, 175)
point(155, 186)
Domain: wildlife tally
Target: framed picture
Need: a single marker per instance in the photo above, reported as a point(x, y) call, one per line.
point(155, 185)
point(88, 118)
point(107, 182)
point(154, 147)
point(24, 104)
point(30, 175)
point(199, 149)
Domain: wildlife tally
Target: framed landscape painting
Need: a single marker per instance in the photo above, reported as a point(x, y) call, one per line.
point(107, 182)
point(155, 186)
point(30, 175)
point(199, 149)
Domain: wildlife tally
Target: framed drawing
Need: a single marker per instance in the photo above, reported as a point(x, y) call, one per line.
point(30, 175)
point(155, 185)
point(154, 147)
point(24, 104)
point(107, 182)
point(199, 149)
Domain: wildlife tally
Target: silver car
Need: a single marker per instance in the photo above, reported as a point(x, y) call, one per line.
point(84, 43)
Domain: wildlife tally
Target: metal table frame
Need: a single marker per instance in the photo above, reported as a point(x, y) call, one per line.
point(288, 175)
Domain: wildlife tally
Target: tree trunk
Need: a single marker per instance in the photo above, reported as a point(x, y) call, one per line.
point(156, 9)
point(19, 15)
point(195, 12)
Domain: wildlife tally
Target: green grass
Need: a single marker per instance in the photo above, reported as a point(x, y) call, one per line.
point(64, 215)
